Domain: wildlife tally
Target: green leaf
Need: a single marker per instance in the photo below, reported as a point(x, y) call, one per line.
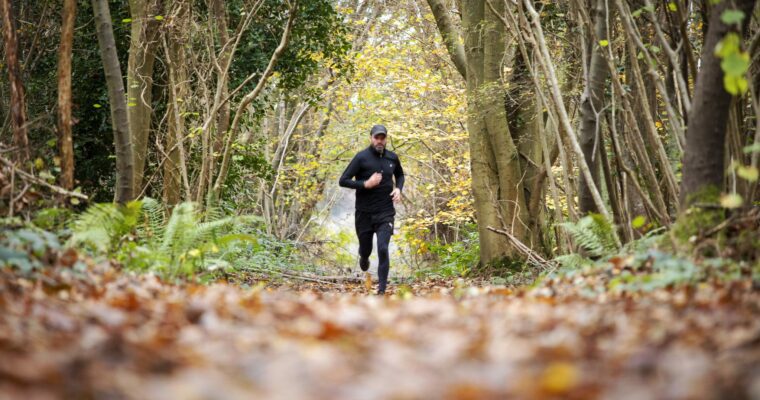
point(728, 45)
point(96, 105)
point(753, 148)
point(604, 43)
point(736, 85)
point(126, 20)
point(749, 173)
point(730, 17)
point(672, 6)
point(52, 142)
point(159, 17)
point(735, 64)
point(731, 200)
point(638, 222)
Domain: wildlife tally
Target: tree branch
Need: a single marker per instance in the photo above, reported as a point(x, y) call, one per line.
point(450, 34)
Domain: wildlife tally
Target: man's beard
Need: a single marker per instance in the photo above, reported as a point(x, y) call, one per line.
point(379, 148)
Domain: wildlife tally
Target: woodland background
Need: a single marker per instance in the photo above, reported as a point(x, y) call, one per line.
point(580, 216)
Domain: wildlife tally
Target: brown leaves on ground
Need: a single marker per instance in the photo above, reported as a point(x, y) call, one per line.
point(113, 335)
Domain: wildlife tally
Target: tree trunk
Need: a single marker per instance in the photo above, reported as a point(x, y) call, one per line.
point(142, 54)
point(211, 144)
point(484, 179)
point(223, 116)
point(497, 178)
point(706, 132)
point(592, 103)
point(18, 101)
point(175, 170)
point(496, 173)
point(117, 100)
point(511, 198)
point(65, 143)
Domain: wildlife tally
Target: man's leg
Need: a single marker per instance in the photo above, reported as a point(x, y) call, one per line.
point(384, 232)
point(364, 232)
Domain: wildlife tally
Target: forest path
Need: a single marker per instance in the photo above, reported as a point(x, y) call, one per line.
point(106, 334)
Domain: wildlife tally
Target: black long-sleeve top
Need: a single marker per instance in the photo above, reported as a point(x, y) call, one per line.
point(363, 165)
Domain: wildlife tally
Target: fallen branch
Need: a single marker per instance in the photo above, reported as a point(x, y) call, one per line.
point(532, 257)
point(31, 178)
point(324, 279)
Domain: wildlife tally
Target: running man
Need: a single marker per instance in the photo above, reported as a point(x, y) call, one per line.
point(371, 173)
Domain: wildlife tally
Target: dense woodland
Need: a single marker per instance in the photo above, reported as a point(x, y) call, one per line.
point(581, 183)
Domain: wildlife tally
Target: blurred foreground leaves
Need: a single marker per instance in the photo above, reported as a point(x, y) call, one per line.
point(100, 332)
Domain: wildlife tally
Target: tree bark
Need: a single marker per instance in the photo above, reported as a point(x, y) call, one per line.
point(592, 102)
point(225, 58)
point(484, 179)
point(510, 198)
point(18, 101)
point(450, 35)
point(175, 169)
point(703, 165)
point(497, 175)
point(65, 142)
point(117, 100)
point(142, 55)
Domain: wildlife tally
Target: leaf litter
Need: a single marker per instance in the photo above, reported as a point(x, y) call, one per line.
point(105, 333)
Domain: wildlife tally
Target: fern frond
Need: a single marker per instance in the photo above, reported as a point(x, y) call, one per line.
point(571, 261)
point(593, 233)
point(183, 219)
point(153, 220)
point(207, 230)
point(99, 226)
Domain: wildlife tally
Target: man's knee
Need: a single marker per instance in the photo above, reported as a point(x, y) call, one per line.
point(382, 243)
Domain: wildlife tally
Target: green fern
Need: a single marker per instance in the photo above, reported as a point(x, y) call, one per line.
point(182, 221)
point(153, 220)
point(180, 245)
point(100, 227)
point(594, 234)
point(572, 260)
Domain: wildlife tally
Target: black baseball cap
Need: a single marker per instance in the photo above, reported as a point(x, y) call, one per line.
point(378, 130)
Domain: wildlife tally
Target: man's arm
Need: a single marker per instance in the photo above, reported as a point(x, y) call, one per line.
point(347, 179)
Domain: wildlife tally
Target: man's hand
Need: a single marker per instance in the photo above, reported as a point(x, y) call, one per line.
point(373, 181)
point(396, 195)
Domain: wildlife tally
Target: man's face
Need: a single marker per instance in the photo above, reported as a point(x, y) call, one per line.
point(378, 142)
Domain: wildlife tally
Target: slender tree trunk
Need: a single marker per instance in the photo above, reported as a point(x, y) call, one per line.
point(246, 101)
point(175, 168)
point(117, 100)
point(65, 142)
point(211, 144)
point(142, 55)
point(223, 116)
point(18, 101)
point(706, 133)
point(592, 103)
